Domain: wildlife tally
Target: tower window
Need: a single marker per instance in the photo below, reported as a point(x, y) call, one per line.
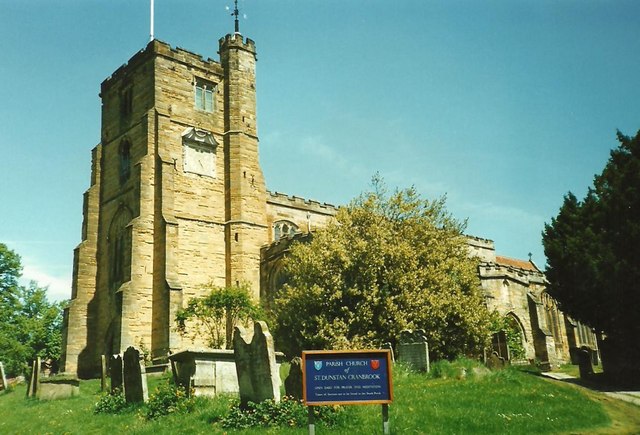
point(125, 160)
point(204, 94)
point(119, 241)
point(126, 101)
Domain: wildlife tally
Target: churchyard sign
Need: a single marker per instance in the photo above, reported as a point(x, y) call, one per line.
point(346, 377)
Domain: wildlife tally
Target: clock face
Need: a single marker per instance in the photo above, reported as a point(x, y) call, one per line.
point(199, 160)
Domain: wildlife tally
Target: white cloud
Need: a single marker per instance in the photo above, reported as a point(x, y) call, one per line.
point(47, 262)
point(316, 147)
point(58, 288)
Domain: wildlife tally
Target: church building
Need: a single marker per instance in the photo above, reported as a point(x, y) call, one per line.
point(177, 200)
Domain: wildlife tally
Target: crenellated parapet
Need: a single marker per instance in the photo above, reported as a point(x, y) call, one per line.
point(159, 48)
point(492, 270)
point(299, 203)
point(484, 249)
point(237, 41)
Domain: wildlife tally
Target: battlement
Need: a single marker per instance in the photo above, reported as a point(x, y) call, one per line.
point(481, 248)
point(236, 40)
point(525, 276)
point(159, 48)
point(478, 242)
point(301, 203)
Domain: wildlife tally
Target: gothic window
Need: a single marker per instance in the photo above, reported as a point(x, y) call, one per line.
point(204, 94)
point(199, 152)
point(124, 154)
point(119, 248)
point(284, 229)
point(126, 101)
point(551, 313)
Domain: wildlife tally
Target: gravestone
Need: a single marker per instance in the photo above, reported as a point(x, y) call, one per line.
point(413, 349)
point(293, 383)
point(208, 372)
point(584, 363)
point(32, 391)
point(389, 346)
point(3, 378)
point(258, 376)
point(103, 373)
point(495, 361)
point(115, 370)
point(134, 376)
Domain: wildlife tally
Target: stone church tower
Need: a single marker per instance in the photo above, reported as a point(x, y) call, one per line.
point(177, 199)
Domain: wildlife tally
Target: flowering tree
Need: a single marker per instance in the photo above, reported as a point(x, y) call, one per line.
point(388, 262)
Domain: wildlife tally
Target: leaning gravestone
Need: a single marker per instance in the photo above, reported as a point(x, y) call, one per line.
point(413, 349)
point(115, 370)
point(3, 378)
point(293, 383)
point(35, 378)
point(135, 376)
point(258, 376)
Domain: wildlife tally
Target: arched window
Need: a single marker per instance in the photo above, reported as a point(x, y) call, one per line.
point(284, 229)
point(124, 154)
point(552, 318)
point(119, 242)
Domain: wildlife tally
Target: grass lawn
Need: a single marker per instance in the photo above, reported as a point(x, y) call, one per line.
point(507, 401)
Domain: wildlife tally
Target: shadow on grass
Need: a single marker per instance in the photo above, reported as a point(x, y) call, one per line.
point(603, 383)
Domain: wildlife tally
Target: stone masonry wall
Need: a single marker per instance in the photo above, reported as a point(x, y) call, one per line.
point(78, 323)
point(308, 215)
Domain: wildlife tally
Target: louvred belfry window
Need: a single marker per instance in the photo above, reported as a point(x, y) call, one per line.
point(204, 95)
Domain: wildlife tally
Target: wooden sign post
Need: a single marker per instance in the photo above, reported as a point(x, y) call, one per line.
point(358, 377)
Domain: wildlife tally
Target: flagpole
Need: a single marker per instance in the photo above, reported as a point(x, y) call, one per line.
point(151, 22)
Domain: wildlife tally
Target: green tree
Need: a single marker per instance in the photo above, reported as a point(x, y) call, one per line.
point(30, 326)
point(592, 248)
point(10, 272)
point(215, 314)
point(386, 263)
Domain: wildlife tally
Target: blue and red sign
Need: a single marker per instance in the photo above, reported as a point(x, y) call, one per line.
point(346, 377)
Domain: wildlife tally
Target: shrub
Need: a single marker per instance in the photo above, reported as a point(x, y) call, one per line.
point(288, 412)
point(168, 399)
point(111, 403)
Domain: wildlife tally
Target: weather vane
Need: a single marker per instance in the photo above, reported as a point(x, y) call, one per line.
point(235, 14)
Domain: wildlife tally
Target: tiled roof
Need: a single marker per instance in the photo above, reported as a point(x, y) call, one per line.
point(520, 264)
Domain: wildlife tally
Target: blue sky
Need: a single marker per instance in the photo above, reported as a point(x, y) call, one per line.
point(502, 105)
